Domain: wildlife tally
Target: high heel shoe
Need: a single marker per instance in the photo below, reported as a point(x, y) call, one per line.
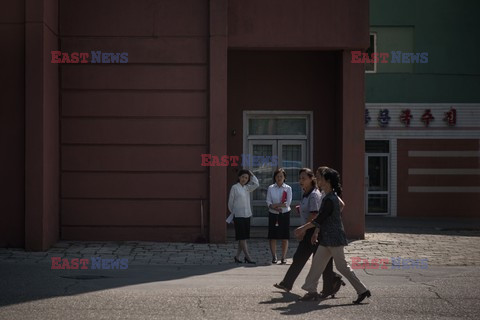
point(336, 287)
point(362, 297)
point(283, 261)
point(274, 260)
point(249, 261)
point(236, 260)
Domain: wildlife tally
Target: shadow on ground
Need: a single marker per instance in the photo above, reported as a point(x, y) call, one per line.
point(299, 307)
point(36, 281)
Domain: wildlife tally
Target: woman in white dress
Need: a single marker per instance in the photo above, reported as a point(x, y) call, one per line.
point(239, 206)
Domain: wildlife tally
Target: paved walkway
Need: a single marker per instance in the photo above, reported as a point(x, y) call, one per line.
point(446, 248)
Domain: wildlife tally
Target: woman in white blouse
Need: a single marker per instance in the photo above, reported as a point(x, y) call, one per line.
point(279, 198)
point(239, 206)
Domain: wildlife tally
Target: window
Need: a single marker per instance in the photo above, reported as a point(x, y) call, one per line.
point(279, 126)
point(372, 67)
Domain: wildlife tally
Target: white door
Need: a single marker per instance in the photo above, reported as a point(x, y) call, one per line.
point(291, 155)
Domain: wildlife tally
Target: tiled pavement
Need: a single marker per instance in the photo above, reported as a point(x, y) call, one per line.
point(459, 248)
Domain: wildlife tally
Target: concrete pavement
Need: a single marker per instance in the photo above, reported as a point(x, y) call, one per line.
point(199, 281)
point(33, 291)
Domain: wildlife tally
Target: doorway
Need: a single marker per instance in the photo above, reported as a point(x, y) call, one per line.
point(283, 138)
point(377, 177)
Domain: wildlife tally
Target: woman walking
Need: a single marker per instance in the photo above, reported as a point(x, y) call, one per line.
point(239, 206)
point(279, 197)
point(309, 207)
point(333, 239)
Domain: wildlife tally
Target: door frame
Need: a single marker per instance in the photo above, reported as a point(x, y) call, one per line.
point(367, 184)
point(272, 114)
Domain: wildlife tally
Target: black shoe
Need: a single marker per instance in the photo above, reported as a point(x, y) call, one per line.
point(274, 260)
point(362, 297)
point(325, 295)
point(283, 261)
point(249, 261)
point(281, 286)
point(236, 260)
point(336, 287)
point(310, 296)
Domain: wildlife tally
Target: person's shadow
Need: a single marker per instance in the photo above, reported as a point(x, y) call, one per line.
point(286, 297)
point(300, 307)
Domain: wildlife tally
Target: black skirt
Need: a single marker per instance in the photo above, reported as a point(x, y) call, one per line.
point(282, 231)
point(242, 228)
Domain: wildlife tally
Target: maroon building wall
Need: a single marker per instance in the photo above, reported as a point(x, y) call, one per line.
point(285, 80)
point(112, 152)
point(12, 124)
point(132, 134)
point(307, 24)
point(437, 204)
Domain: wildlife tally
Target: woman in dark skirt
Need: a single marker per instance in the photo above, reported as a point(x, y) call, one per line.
point(239, 206)
point(279, 198)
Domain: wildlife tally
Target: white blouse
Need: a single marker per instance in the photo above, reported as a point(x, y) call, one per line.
point(274, 195)
point(239, 199)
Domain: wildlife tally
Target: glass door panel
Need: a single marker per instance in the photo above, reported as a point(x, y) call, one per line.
point(292, 158)
point(377, 173)
point(378, 182)
point(264, 173)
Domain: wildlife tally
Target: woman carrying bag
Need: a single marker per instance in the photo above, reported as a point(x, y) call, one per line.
point(239, 206)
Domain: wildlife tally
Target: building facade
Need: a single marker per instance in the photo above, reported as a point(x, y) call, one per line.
point(113, 151)
point(422, 118)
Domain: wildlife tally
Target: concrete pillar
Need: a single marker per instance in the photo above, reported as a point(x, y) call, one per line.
point(353, 146)
point(218, 119)
point(41, 125)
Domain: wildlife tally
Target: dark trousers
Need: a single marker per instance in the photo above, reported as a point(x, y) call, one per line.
point(304, 251)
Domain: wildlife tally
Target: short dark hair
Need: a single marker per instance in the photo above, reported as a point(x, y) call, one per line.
point(277, 172)
point(242, 172)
